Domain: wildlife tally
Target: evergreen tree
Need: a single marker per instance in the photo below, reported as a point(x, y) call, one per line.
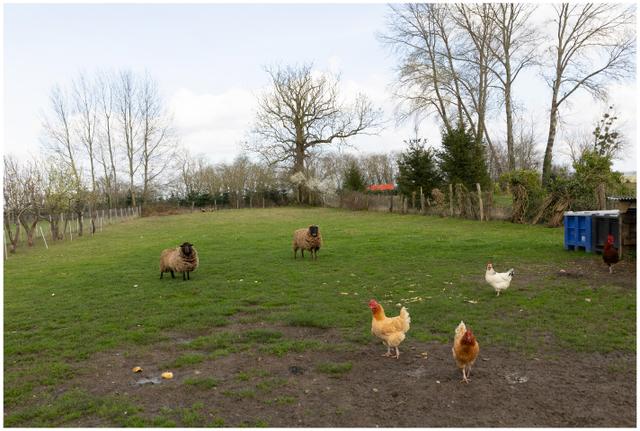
point(417, 168)
point(353, 178)
point(462, 158)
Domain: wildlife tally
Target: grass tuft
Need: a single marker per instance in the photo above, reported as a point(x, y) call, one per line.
point(334, 368)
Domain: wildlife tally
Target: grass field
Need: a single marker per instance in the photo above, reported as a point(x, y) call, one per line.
point(65, 305)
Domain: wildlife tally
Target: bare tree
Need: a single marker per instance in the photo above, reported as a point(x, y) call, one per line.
point(480, 29)
point(193, 178)
point(128, 116)
point(235, 178)
point(420, 35)
point(58, 128)
point(58, 190)
point(595, 43)
point(445, 62)
point(31, 182)
point(378, 168)
point(15, 201)
point(84, 94)
point(107, 149)
point(156, 146)
point(526, 155)
point(302, 112)
point(514, 50)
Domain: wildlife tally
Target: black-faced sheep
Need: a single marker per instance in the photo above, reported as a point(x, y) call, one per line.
point(307, 239)
point(182, 259)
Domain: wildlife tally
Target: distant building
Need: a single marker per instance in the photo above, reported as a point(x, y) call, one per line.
point(629, 177)
point(381, 188)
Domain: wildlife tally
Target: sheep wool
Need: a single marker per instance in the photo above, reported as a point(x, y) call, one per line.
point(182, 259)
point(307, 239)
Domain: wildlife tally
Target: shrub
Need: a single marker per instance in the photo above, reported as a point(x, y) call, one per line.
point(527, 192)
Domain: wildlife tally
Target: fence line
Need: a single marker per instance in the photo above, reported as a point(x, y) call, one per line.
point(458, 202)
point(70, 224)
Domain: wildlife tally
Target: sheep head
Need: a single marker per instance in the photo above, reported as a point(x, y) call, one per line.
point(313, 230)
point(187, 248)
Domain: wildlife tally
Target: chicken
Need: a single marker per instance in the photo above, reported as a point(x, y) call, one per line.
point(499, 280)
point(390, 329)
point(465, 350)
point(610, 253)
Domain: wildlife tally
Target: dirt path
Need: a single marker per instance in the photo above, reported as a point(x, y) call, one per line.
point(506, 389)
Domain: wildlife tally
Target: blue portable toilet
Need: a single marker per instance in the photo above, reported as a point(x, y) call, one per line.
point(578, 230)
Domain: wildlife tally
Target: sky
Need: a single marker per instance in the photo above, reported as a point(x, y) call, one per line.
point(209, 62)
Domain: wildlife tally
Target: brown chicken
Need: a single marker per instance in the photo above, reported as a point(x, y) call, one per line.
point(390, 329)
point(465, 350)
point(610, 253)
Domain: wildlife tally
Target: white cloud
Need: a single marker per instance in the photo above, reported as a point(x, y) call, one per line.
point(216, 124)
point(334, 63)
point(213, 124)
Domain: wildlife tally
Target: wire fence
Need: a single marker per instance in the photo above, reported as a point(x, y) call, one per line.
point(454, 201)
point(50, 228)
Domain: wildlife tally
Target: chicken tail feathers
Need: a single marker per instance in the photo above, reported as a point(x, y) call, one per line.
point(461, 329)
point(404, 314)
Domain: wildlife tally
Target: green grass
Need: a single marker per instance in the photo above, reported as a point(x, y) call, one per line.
point(186, 360)
point(335, 368)
point(201, 383)
point(247, 273)
point(240, 393)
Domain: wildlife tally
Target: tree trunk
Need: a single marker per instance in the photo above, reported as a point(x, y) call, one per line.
point(80, 223)
point(29, 228)
point(13, 238)
point(480, 203)
point(553, 122)
point(509, 113)
point(548, 154)
point(54, 226)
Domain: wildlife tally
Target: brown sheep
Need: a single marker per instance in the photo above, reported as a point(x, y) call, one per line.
point(180, 259)
point(307, 239)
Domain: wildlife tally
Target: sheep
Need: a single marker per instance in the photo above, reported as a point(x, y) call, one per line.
point(307, 239)
point(180, 259)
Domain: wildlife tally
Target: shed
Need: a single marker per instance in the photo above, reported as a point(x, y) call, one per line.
point(627, 205)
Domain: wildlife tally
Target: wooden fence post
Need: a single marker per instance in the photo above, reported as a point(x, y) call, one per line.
point(405, 203)
point(422, 210)
point(390, 203)
point(451, 199)
point(413, 199)
point(480, 201)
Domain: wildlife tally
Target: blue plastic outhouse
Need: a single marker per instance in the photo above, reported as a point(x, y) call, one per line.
point(578, 230)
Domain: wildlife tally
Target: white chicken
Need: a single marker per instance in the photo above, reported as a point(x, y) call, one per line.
point(498, 280)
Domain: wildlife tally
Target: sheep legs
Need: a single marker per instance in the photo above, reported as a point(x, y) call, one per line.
point(187, 276)
point(162, 273)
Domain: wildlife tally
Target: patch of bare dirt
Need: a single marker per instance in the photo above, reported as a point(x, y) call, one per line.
point(506, 389)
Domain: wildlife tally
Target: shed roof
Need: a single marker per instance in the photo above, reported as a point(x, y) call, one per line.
point(622, 198)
